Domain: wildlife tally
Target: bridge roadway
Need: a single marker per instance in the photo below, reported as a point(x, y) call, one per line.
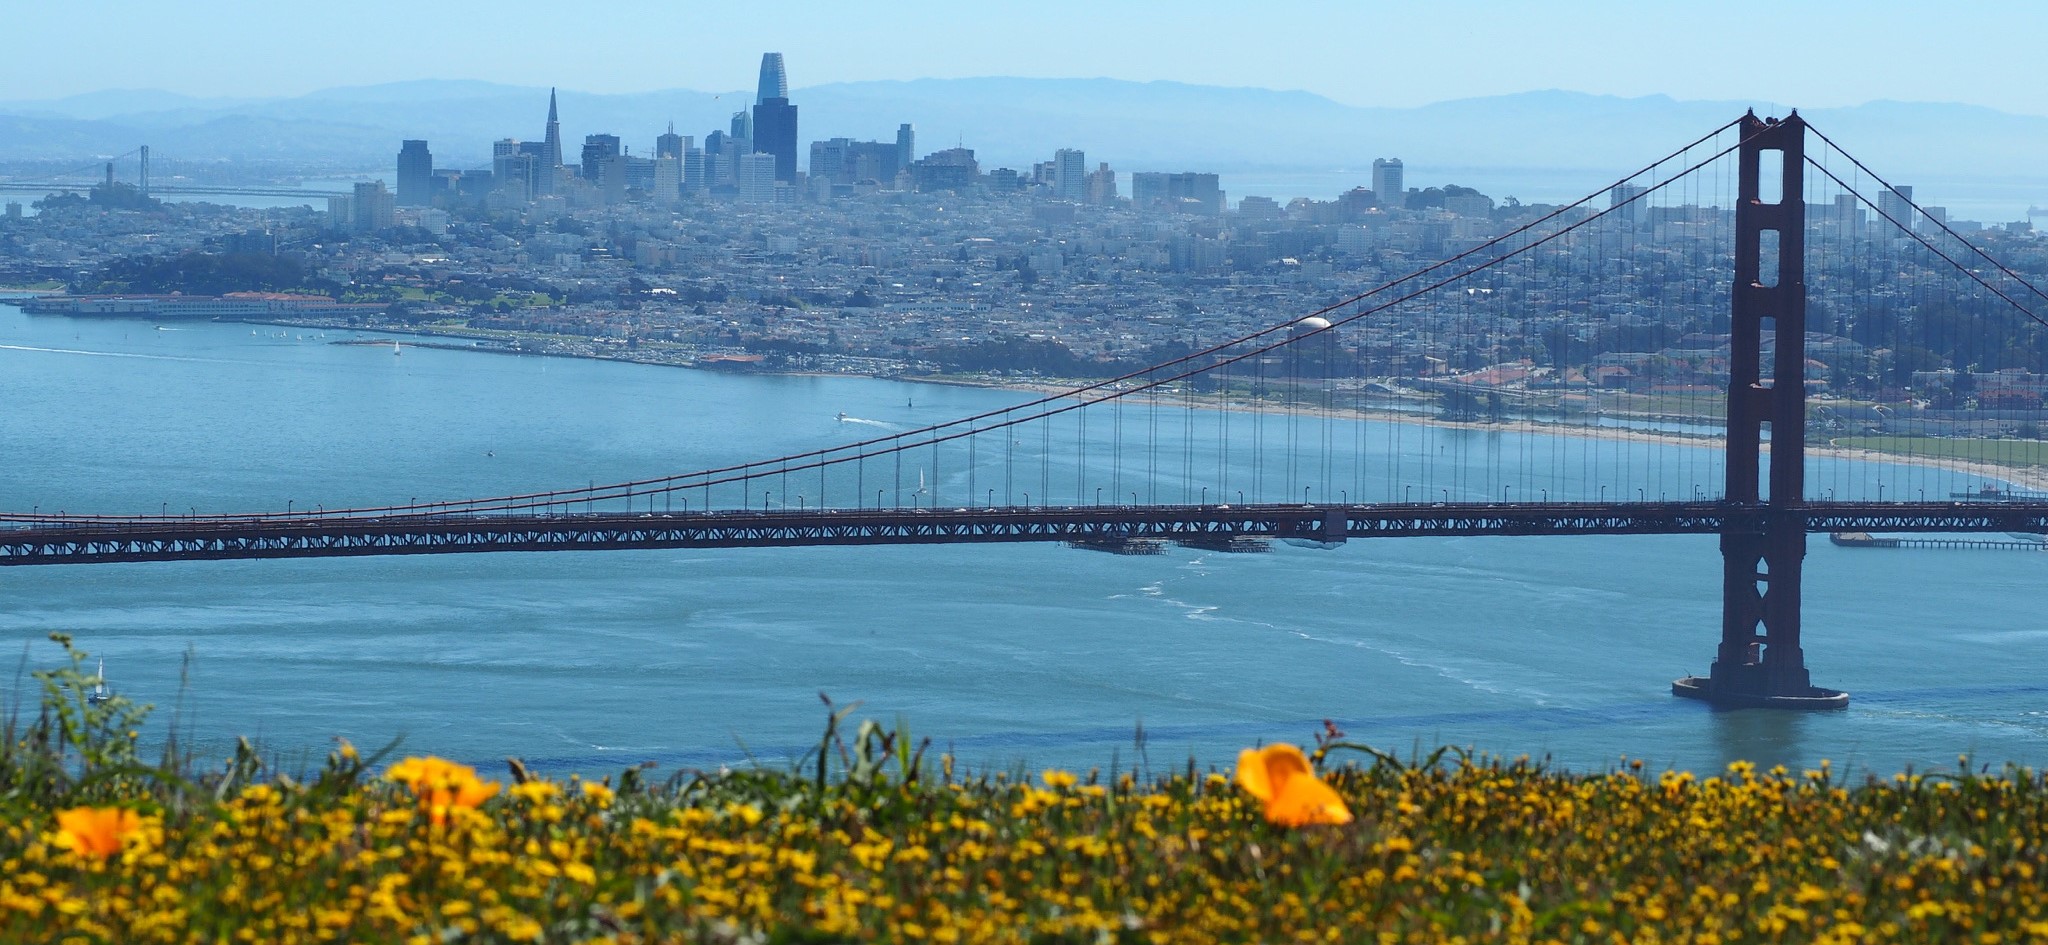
point(29, 540)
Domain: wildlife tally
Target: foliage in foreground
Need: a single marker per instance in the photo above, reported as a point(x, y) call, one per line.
point(870, 842)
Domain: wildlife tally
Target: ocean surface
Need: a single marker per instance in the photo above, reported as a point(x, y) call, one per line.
point(1005, 655)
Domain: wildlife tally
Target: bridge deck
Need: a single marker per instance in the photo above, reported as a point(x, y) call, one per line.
point(49, 540)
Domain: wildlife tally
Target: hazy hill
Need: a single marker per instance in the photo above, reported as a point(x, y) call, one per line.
point(1013, 122)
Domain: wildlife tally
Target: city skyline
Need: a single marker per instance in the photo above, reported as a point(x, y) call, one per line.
point(1811, 56)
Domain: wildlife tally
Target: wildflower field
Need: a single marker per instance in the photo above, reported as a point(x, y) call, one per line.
point(871, 839)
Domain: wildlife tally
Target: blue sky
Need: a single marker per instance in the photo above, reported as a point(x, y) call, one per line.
point(1808, 54)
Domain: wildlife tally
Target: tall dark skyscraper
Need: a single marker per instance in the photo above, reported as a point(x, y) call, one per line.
point(775, 133)
point(774, 81)
point(551, 148)
point(415, 173)
point(596, 148)
point(775, 118)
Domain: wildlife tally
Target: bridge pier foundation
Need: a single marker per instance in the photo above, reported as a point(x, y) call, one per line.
point(1760, 662)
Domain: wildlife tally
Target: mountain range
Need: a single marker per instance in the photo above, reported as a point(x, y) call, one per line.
point(1014, 122)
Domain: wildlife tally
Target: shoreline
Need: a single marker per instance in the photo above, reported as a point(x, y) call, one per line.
point(2032, 478)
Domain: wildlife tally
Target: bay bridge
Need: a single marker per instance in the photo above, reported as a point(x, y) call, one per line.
point(77, 179)
point(1275, 435)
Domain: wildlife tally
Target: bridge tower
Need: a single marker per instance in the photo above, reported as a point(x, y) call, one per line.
point(1759, 662)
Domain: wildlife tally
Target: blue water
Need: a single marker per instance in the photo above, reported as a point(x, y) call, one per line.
point(1003, 654)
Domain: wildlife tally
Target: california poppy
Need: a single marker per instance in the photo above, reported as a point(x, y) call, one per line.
point(441, 784)
point(95, 832)
point(1280, 777)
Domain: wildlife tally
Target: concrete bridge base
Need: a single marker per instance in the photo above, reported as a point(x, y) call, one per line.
point(1704, 689)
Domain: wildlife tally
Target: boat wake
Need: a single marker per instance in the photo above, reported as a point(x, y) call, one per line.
point(870, 423)
point(119, 354)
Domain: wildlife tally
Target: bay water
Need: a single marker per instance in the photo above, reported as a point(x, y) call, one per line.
point(1005, 655)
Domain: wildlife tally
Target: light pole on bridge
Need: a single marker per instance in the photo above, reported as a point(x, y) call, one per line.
point(1098, 495)
point(1406, 495)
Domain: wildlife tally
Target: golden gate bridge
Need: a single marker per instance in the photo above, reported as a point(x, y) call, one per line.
point(1265, 436)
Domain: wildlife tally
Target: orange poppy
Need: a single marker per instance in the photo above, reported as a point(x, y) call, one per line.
point(441, 784)
point(1280, 777)
point(95, 832)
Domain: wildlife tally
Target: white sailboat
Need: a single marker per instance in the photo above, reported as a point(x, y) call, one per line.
point(100, 693)
point(394, 348)
point(920, 483)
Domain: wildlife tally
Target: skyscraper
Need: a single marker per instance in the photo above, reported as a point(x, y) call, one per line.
point(373, 207)
point(415, 173)
point(551, 150)
point(1070, 174)
point(513, 170)
point(1387, 184)
point(775, 133)
point(757, 177)
point(906, 147)
point(1634, 207)
point(693, 170)
point(1896, 203)
point(595, 149)
point(774, 82)
point(671, 144)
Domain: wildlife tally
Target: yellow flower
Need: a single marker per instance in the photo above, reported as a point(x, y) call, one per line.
point(599, 792)
point(1055, 778)
point(441, 784)
point(95, 832)
point(1280, 777)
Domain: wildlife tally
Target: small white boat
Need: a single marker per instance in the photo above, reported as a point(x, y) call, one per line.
point(100, 693)
point(842, 416)
point(394, 348)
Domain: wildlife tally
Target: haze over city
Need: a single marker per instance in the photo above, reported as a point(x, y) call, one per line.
point(1808, 54)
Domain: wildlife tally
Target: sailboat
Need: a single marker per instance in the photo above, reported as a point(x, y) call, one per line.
point(920, 483)
point(100, 693)
point(394, 347)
